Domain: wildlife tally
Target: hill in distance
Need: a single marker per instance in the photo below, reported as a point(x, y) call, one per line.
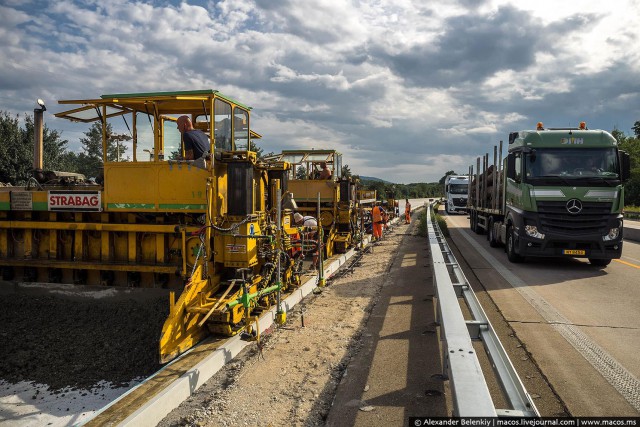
point(371, 178)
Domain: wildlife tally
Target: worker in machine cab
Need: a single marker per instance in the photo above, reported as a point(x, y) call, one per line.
point(325, 172)
point(407, 212)
point(309, 232)
point(196, 142)
point(377, 218)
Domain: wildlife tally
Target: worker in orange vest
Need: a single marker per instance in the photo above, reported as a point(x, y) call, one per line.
point(407, 212)
point(377, 221)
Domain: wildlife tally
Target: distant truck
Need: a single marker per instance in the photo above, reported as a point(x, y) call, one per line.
point(558, 193)
point(455, 193)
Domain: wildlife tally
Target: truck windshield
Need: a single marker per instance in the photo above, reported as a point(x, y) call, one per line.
point(458, 188)
point(546, 163)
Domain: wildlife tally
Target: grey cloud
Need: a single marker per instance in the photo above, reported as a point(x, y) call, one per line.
point(474, 47)
point(321, 87)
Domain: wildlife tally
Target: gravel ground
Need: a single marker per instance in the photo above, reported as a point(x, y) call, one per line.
point(293, 378)
point(67, 340)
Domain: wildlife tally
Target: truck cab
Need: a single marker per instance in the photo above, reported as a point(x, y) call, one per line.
point(455, 192)
point(564, 194)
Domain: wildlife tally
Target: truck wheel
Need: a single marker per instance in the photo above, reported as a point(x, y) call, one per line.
point(491, 233)
point(599, 262)
point(511, 250)
point(474, 223)
point(478, 229)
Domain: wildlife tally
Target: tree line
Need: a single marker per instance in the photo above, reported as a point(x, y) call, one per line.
point(16, 150)
point(16, 158)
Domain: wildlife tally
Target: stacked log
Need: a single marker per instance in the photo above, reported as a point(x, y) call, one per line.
point(487, 189)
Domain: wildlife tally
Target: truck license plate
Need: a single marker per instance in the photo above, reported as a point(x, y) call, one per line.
point(573, 252)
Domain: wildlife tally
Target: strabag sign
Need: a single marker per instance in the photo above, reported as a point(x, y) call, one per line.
point(74, 201)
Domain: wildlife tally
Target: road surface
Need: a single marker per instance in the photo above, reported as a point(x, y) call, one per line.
point(580, 323)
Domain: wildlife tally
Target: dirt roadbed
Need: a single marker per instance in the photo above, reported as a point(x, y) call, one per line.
point(362, 351)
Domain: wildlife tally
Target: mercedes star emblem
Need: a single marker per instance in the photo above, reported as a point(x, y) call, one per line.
point(574, 206)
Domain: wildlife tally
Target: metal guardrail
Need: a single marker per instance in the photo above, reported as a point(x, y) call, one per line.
point(460, 363)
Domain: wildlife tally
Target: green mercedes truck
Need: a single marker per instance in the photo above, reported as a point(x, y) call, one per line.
point(557, 193)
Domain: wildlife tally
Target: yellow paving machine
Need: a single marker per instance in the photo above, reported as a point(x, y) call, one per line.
point(216, 230)
point(334, 200)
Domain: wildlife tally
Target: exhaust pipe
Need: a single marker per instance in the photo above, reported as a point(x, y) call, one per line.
point(38, 124)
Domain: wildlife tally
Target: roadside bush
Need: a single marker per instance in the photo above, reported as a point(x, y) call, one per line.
point(422, 223)
point(442, 223)
point(632, 212)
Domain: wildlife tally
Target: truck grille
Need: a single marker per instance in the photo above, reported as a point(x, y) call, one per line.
point(459, 201)
point(593, 218)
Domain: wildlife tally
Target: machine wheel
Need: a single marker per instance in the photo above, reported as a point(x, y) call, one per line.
point(511, 250)
point(491, 235)
point(599, 262)
point(55, 275)
point(7, 273)
point(30, 274)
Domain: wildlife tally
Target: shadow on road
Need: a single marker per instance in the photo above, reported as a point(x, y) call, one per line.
point(395, 372)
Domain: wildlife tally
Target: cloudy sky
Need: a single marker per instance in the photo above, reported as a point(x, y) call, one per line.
point(406, 90)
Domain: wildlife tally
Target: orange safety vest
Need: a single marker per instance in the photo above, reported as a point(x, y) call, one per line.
point(377, 215)
point(407, 208)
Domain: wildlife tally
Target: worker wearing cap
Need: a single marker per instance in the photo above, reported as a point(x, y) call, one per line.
point(310, 225)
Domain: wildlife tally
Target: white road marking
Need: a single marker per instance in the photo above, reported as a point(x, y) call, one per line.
point(616, 374)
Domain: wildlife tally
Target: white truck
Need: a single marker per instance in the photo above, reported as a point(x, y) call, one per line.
point(456, 188)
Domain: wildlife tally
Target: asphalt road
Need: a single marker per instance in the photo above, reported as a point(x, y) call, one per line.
point(580, 324)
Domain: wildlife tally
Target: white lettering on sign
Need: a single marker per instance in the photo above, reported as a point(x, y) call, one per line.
point(574, 141)
point(74, 201)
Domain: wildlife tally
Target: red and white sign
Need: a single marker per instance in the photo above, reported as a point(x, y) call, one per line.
point(77, 201)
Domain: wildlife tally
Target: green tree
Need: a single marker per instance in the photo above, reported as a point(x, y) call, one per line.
point(15, 156)
point(89, 161)
point(632, 146)
point(441, 182)
point(346, 172)
point(258, 150)
point(16, 149)
point(301, 172)
point(636, 129)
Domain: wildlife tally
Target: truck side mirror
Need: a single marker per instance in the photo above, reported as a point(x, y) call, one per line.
point(625, 165)
point(511, 166)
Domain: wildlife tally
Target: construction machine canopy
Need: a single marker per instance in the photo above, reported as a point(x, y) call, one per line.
point(157, 133)
point(306, 163)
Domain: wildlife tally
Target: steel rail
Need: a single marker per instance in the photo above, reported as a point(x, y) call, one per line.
point(471, 396)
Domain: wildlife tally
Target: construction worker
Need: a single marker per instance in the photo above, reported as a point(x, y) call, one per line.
point(310, 225)
point(407, 212)
point(377, 213)
point(325, 172)
point(196, 142)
